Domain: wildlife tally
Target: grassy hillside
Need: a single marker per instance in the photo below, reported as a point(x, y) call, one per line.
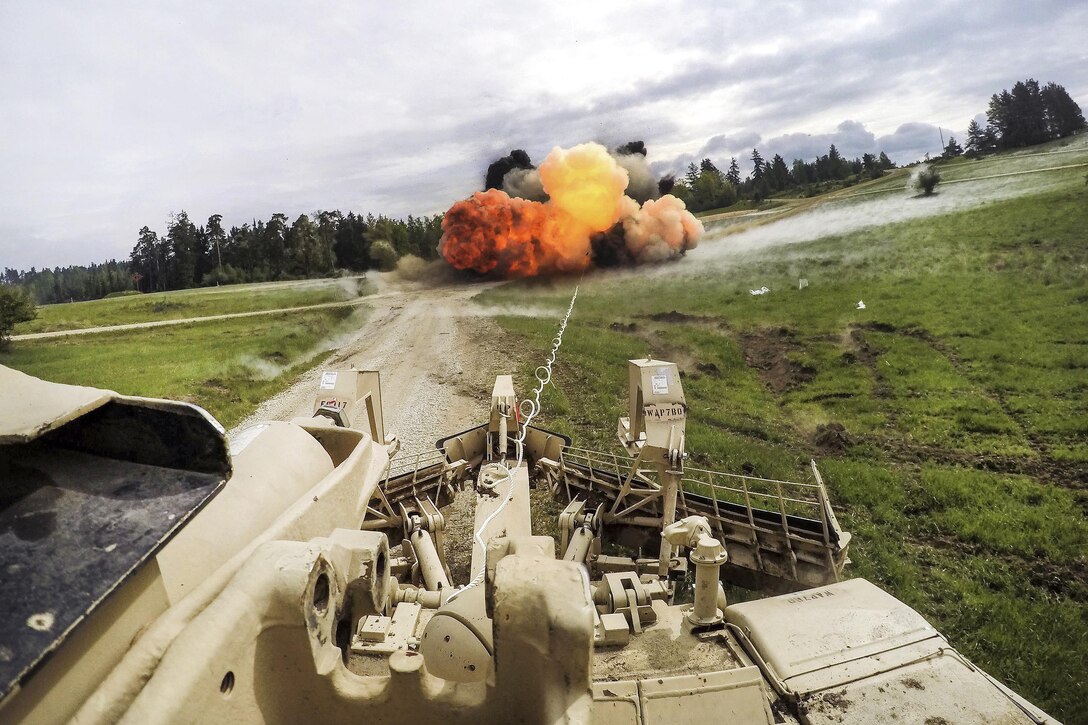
point(227, 367)
point(201, 302)
point(961, 389)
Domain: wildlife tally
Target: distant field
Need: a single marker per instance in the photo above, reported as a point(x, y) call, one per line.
point(962, 390)
point(198, 302)
point(743, 206)
point(1064, 152)
point(227, 367)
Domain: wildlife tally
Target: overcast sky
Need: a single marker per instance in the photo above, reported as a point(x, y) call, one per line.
point(115, 114)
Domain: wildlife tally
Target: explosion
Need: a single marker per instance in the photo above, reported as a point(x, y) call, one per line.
point(584, 206)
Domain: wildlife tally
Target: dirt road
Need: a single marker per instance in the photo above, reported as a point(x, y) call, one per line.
point(438, 361)
point(184, 320)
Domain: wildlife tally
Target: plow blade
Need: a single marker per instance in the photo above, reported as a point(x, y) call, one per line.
point(780, 535)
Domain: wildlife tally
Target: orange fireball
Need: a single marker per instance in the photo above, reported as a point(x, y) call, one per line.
point(492, 233)
point(503, 236)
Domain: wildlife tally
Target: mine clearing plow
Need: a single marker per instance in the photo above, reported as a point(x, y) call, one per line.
point(778, 535)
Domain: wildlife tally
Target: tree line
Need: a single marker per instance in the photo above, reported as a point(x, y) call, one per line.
point(706, 187)
point(75, 283)
point(187, 255)
point(1027, 115)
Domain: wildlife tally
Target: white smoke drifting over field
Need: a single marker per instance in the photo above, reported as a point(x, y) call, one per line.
point(865, 211)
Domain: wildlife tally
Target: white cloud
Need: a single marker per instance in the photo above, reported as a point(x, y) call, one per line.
point(113, 115)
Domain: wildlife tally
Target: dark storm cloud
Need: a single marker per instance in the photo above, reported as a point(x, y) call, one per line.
point(850, 138)
point(722, 145)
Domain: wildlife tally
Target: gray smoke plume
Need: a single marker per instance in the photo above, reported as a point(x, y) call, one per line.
point(643, 185)
point(524, 183)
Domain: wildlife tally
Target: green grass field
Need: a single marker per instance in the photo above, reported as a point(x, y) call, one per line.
point(227, 367)
point(199, 302)
point(962, 388)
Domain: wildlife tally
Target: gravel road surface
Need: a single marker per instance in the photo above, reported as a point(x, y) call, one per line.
point(438, 361)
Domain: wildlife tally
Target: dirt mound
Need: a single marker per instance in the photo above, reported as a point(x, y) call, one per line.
point(826, 704)
point(622, 327)
point(908, 330)
point(768, 352)
point(676, 316)
point(831, 438)
point(709, 368)
point(858, 349)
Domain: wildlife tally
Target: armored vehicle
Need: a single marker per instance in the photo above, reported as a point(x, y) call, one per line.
point(152, 572)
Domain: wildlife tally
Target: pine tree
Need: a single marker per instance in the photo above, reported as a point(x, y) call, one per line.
point(952, 149)
point(144, 260)
point(1030, 115)
point(733, 175)
point(999, 114)
point(779, 175)
point(800, 172)
point(976, 139)
point(692, 175)
point(183, 248)
point(1063, 115)
point(757, 166)
point(707, 167)
point(835, 167)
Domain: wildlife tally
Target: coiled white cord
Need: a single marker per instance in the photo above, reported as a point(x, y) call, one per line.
point(543, 376)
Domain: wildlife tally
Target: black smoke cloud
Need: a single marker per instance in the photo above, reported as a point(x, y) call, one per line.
point(609, 249)
point(516, 159)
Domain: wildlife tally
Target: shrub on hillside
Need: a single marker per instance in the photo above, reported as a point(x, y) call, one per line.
point(15, 307)
point(383, 255)
point(224, 274)
point(926, 180)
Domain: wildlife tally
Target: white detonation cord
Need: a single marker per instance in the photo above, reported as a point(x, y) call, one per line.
point(528, 408)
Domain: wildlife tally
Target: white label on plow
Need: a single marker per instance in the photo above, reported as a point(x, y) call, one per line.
point(328, 381)
point(660, 384)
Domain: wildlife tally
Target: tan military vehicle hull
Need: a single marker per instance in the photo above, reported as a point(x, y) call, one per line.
point(154, 574)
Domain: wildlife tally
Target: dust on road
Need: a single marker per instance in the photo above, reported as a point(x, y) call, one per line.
point(437, 358)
